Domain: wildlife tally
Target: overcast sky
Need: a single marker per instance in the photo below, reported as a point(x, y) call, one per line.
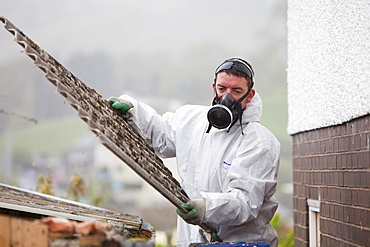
point(64, 27)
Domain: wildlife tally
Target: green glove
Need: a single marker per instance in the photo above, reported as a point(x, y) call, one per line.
point(196, 210)
point(119, 106)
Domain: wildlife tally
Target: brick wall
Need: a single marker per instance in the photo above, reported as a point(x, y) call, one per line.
point(332, 165)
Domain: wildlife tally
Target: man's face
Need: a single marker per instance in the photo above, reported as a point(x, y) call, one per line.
point(236, 86)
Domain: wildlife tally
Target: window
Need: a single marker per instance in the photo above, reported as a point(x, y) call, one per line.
point(314, 222)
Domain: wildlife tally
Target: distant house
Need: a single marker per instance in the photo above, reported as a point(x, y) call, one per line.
point(108, 176)
point(329, 120)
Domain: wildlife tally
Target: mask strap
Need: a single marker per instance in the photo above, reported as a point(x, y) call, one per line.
point(241, 126)
point(232, 124)
point(245, 95)
point(209, 127)
point(241, 112)
point(214, 102)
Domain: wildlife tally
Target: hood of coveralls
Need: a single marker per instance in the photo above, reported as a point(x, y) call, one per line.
point(253, 110)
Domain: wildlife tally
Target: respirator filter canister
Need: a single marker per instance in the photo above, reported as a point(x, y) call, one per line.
point(225, 112)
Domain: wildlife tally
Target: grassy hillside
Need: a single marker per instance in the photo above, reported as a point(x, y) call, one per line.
point(50, 137)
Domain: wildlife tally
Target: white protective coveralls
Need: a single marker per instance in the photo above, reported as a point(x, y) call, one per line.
point(235, 173)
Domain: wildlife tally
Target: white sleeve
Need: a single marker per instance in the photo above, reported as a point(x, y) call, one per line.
point(154, 128)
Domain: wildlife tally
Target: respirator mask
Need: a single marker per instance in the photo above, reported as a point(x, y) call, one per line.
point(226, 111)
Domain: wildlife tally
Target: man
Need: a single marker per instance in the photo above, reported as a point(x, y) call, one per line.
point(227, 161)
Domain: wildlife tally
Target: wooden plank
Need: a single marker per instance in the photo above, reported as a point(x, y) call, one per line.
point(91, 241)
point(58, 235)
point(35, 235)
point(4, 231)
point(26, 233)
point(16, 236)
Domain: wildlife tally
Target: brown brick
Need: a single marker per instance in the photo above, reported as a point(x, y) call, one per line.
point(356, 216)
point(360, 125)
point(346, 215)
point(353, 127)
point(343, 130)
point(336, 145)
point(299, 189)
point(301, 232)
point(325, 178)
point(322, 146)
point(324, 209)
point(365, 179)
point(341, 214)
point(352, 215)
point(363, 140)
point(329, 146)
point(332, 161)
point(357, 142)
point(324, 240)
point(330, 195)
point(365, 236)
point(302, 204)
point(335, 242)
point(341, 161)
point(323, 191)
point(366, 159)
point(314, 166)
point(348, 160)
point(363, 198)
point(344, 144)
point(354, 160)
point(324, 160)
point(362, 159)
point(360, 179)
point(349, 178)
point(354, 197)
point(351, 143)
point(332, 209)
point(300, 243)
point(301, 218)
point(365, 217)
point(296, 176)
point(318, 147)
point(318, 134)
point(339, 196)
point(324, 225)
point(305, 178)
point(313, 193)
point(346, 196)
point(339, 178)
point(331, 178)
point(355, 234)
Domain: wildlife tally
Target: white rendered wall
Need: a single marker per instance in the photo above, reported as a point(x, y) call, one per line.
point(328, 62)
